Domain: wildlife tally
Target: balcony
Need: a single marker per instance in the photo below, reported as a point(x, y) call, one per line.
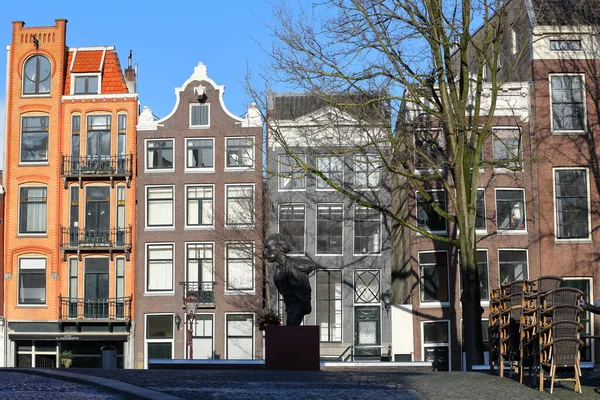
point(113, 311)
point(110, 241)
point(113, 168)
point(203, 291)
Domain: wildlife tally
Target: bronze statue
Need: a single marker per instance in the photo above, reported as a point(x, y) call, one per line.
point(290, 278)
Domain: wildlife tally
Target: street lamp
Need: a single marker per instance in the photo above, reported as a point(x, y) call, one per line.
point(387, 301)
point(191, 305)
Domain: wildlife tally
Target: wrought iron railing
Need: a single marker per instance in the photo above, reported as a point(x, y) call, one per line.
point(203, 291)
point(78, 238)
point(118, 308)
point(116, 166)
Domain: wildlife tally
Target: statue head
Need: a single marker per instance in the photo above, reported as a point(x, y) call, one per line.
point(276, 247)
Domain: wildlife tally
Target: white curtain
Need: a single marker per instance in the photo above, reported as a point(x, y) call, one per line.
point(160, 268)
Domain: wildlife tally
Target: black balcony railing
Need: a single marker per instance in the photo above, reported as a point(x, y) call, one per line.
point(203, 291)
point(77, 238)
point(93, 309)
point(112, 167)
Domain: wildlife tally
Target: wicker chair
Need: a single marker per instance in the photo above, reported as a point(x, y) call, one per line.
point(564, 354)
point(547, 283)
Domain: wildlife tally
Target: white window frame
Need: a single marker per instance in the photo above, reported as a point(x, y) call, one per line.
point(448, 344)
point(199, 169)
point(244, 167)
point(304, 223)
point(146, 265)
point(195, 331)
point(364, 160)
point(192, 105)
point(500, 132)
point(328, 175)
point(434, 304)
point(146, 340)
point(75, 75)
point(160, 227)
point(19, 267)
point(523, 213)
point(229, 291)
point(211, 226)
point(226, 335)
point(316, 230)
point(252, 211)
point(330, 301)
point(280, 175)
point(158, 170)
point(568, 132)
point(589, 214)
point(376, 253)
point(186, 275)
point(511, 249)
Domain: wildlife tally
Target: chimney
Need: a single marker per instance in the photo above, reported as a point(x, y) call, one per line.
point(130, 75)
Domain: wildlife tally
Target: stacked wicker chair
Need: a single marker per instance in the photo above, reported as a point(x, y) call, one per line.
point(509, 323)
point(559, 341)
point(496, 308)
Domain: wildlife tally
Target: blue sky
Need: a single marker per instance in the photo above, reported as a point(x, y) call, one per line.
point(168, 38)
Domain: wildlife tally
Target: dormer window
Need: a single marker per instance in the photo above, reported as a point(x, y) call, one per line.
point(36, 76)
point(85, 84)
point(199, 115)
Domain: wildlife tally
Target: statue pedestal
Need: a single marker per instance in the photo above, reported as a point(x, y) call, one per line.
point(292, 348)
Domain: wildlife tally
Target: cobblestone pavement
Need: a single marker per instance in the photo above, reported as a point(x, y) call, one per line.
point(17, 385)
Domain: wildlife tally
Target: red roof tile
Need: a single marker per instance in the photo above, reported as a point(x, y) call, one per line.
point(113, 81)
point(87, 61)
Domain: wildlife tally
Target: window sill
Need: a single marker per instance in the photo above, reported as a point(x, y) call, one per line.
point(199, 170)
point(367, 254)
point(573, 241)
point(329, 255)
point(199, 126)
point(238, 169)
point(32, 235)
point(291, 190)
point(199, 228)
point(29, 96)
point(522, 232)
point(481, 232)
point(507, 170)
point(239, 292)
point(34, 164)
point(159, 170)
point(32, 305)
point(567, 133)
point(159, 228)
point(434, 305)
point(159, 293)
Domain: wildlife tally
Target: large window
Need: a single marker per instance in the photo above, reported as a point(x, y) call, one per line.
point(427, 217)
point(513, 265)
point(85, 84)
point(367, 172)
point(32, 281)
point(240, 152)
point(330, 228)
point(329, 305)
point(199, 206)
point(240, 205)
point(510, 209)
point(199, 115)
point(333, 169)
point(429, 150)
point(159, 270)
point(34, 139)
point(36, 75)
point(159, 210)
point(239, 258)
point(159, 154)
point(159, 336)
point(32, 209)
point(568, 103)
point(200, 270)
point(200, 154)
point(240, 336)
point(291, 225)
point(572, 212)
point(367, 231)
point(291, 176)
point(202, 340)
point(433, 269)
point(507, 148)
point(436, 344)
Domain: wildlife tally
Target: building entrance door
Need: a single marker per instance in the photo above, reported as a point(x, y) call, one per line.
point(367, 332)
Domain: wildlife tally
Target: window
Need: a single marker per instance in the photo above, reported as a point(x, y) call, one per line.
point(120, 287)
point(85, 84)
point(73, 287)
point(199, 206)
point(291, 175)
point(433, 267)
point(200, 270)
point(159, 336)
point(291, 225)
point(559, 45)
point(480, 220)
point(507, 148)
point(483, 268)
point(32, 210)
point(585, 317)
point(572, 212)
point(240, 205)
point(429, 149)
point(329, 305)
point(333, 169)
point(199, 116)
point(121, 142)
point(366, 172)
point(240, 152)
point(330, 228)
point(34, 139)
point(120, 214)
point(568, 103)
point(240, 266)
point(436, 344)
point(516, 45)
point(366, 286)
point(159, 271)
point(200, 154)
point(367, 231)
point(510, 209)
point(427, 217)
point(159, 211)
point(32, 281)
point(75, 141)
point(36, 75)
point(202, 339)
point(240, 339)
point(159, 154)
point(513, 265)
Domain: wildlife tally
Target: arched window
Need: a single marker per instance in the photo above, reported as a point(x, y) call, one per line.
point(36, 75)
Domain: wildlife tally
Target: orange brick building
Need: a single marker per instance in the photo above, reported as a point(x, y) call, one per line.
point(70, 201)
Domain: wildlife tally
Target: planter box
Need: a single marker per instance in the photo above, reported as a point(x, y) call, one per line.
point(292, 348)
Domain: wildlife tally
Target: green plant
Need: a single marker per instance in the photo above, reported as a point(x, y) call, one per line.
point(66, 358)
point(267, 318)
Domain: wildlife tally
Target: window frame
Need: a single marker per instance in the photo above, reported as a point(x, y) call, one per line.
point(199, 169)
point(212, 262)
point(427, 228)
point(43, 129)
point(250, 247)
point(363, 165)
point(556, 131)
point(43, 302)
point(481, 231)
point(279, 230)
point(505, 231)
point(338, 326)
point(212, 208)
point(556, 210)
point(447, 344)
point(252, 212)
point(376, 300)
point(321, 185)
point(439, 140)
point(158, 245)
point(433, 303)
point(526, 272)
point(319, 205)
point(75, 76)
point(193, 105)
point(377, 252)
point(252, 148)
point(155, 340)
point(147, 208)
point(226, 336)
point(36, 92)
point(557, 45)
point(281, 177)
point(505, 132)
point(43, 202)
point(151, 170)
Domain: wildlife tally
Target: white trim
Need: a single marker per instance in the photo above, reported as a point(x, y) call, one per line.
point(328, 188)
point(242, 168)
point(146, 340)
point(191, 106)
point(317, 229)
point(512, 249)
point(32, 256)
point(161, 227)
point(567, 132)
point(226, 206)
point(446, 344)
point(186, 244)
point(199, 170)
point(157, 170)
point(280, 175)
point(380, 246)
point(75, 75)
point(502, 133)
point(434, 304)
point(198, 227)
point(304, 225)
point(159, 292)
point(380, 282)
point(587, 239)
point(238, 292)
point(226, 329)
point(524, 213)
point(213, 333)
